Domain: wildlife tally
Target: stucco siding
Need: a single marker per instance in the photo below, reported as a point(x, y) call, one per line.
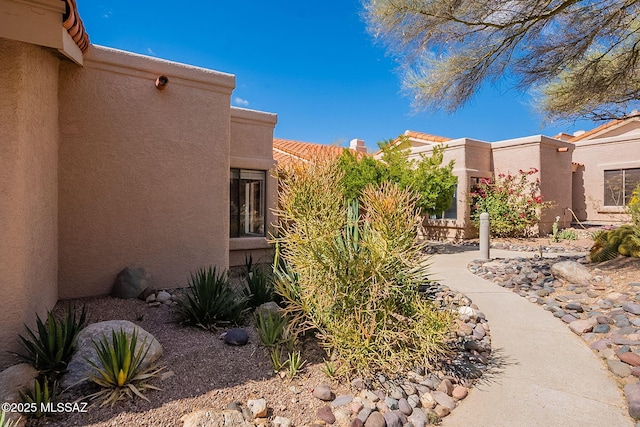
point(252, 148)
point(596, 156)
point(142, 171)
point(28, 188)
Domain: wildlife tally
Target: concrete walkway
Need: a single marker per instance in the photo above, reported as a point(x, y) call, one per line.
point(545, 374)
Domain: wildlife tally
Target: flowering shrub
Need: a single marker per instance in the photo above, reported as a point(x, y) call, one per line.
point(513, 202)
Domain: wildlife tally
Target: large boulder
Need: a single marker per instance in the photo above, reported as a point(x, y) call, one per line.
point(79, 369)
point(13, 380)
point(132, 282)
point(571, 272)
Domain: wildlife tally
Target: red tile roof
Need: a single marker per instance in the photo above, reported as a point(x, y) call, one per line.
point(285, 150)
point(73, 24)
point(604, 127)
point(425, 136)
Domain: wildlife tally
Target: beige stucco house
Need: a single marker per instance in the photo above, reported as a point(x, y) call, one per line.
point(588, 176)
point(109, 159)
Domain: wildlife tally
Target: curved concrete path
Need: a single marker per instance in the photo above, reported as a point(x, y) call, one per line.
point(545, 375)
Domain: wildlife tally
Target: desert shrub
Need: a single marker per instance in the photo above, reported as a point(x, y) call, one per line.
point(43, 393)
point(609, 244)
point(210, 300)
point(120, 372)
point(259, 286)
point(513, 202)
point(351, 271)
point(50, 347)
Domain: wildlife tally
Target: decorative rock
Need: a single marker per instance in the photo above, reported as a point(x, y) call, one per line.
point(393, 419)
point(356, 407)
point(619, 368)
point(163, 296)
point(281, 422)
point(326, 415)
point(375, 419)
point(568, 318)
point(268, 307)
point(601, 329)
point(151, 298)
point(235, 336)
point(131, 282)
point(258, 408)
point(459, 392)
point(323, 392)
point(441, 411)
point(237, 406)
point(418, 418)
point(413, 400)
point(343, 417)
point(358, 384)
point(363, 415)
point(632, 393)
point(368, 394)
point(356, 422)
point(631, 358)
point(404, 407)
point(445, 387)
point(631, 307)
point(427, 401)
point(210, 418)
point(571, 272)
point(579, 327)
point(343, 400)
point(13, 380)
point(444, 400)
point(79, 369)
point(391, 403)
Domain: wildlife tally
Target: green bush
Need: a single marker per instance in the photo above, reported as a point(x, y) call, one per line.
point(50, 348)
point(44, 392)
point(352, 270)
point(513, 202)
point(211, 301)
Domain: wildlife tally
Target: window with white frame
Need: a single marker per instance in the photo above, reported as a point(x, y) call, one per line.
point(619, 184)
point(247, 203)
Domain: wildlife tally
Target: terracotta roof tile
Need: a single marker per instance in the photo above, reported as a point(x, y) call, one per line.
point(285, 150)
point(73, 24)
point(602, 128)
point(426, 136)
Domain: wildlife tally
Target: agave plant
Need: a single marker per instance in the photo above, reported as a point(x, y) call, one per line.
point(271, 328)
point(120, 371)
point(259, 287)
point(49, 349)
point(211, 300)
point(4, 422)
point(43, 393)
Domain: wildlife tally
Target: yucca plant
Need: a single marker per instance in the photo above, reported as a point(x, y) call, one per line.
point(295, 363)
point(50, 347)
point(211, 301)
point(120, 371)
point(259, 287)
point(43, 393)
point(271, 328)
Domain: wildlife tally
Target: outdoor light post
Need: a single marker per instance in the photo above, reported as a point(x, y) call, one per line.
point(484, 236)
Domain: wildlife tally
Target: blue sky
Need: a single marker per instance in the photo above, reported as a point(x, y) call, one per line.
point(314, 64)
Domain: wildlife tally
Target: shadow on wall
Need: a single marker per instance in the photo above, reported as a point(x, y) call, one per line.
point(579, 200)
point(439, 231)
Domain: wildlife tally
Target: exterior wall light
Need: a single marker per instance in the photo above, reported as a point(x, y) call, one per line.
point(562, 149)
point(162, 82)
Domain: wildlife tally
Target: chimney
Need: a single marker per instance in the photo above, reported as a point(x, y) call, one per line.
point(357, 145)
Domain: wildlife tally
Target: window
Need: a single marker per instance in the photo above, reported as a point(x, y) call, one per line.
point(618, 185)
point(247, 200)
point(452, 212)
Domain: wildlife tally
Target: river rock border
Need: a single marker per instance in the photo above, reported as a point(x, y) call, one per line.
point(417, 397)
point(608, 320)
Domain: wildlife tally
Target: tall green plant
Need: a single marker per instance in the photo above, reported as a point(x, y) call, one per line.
point(352, 271)
point(50, 347)
point(211, 301)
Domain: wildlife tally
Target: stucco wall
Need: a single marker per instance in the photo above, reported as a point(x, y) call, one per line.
point(252, 148)
point(28, 188)
point(554, 168)
point(143, 173)
point(621, 152)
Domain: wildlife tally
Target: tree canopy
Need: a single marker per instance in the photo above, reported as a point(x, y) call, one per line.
point(432, 182)
point(582, 58)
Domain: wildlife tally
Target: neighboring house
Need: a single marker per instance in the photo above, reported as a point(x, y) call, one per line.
point(286, 151)
point(109, 159)
point(588, 176)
